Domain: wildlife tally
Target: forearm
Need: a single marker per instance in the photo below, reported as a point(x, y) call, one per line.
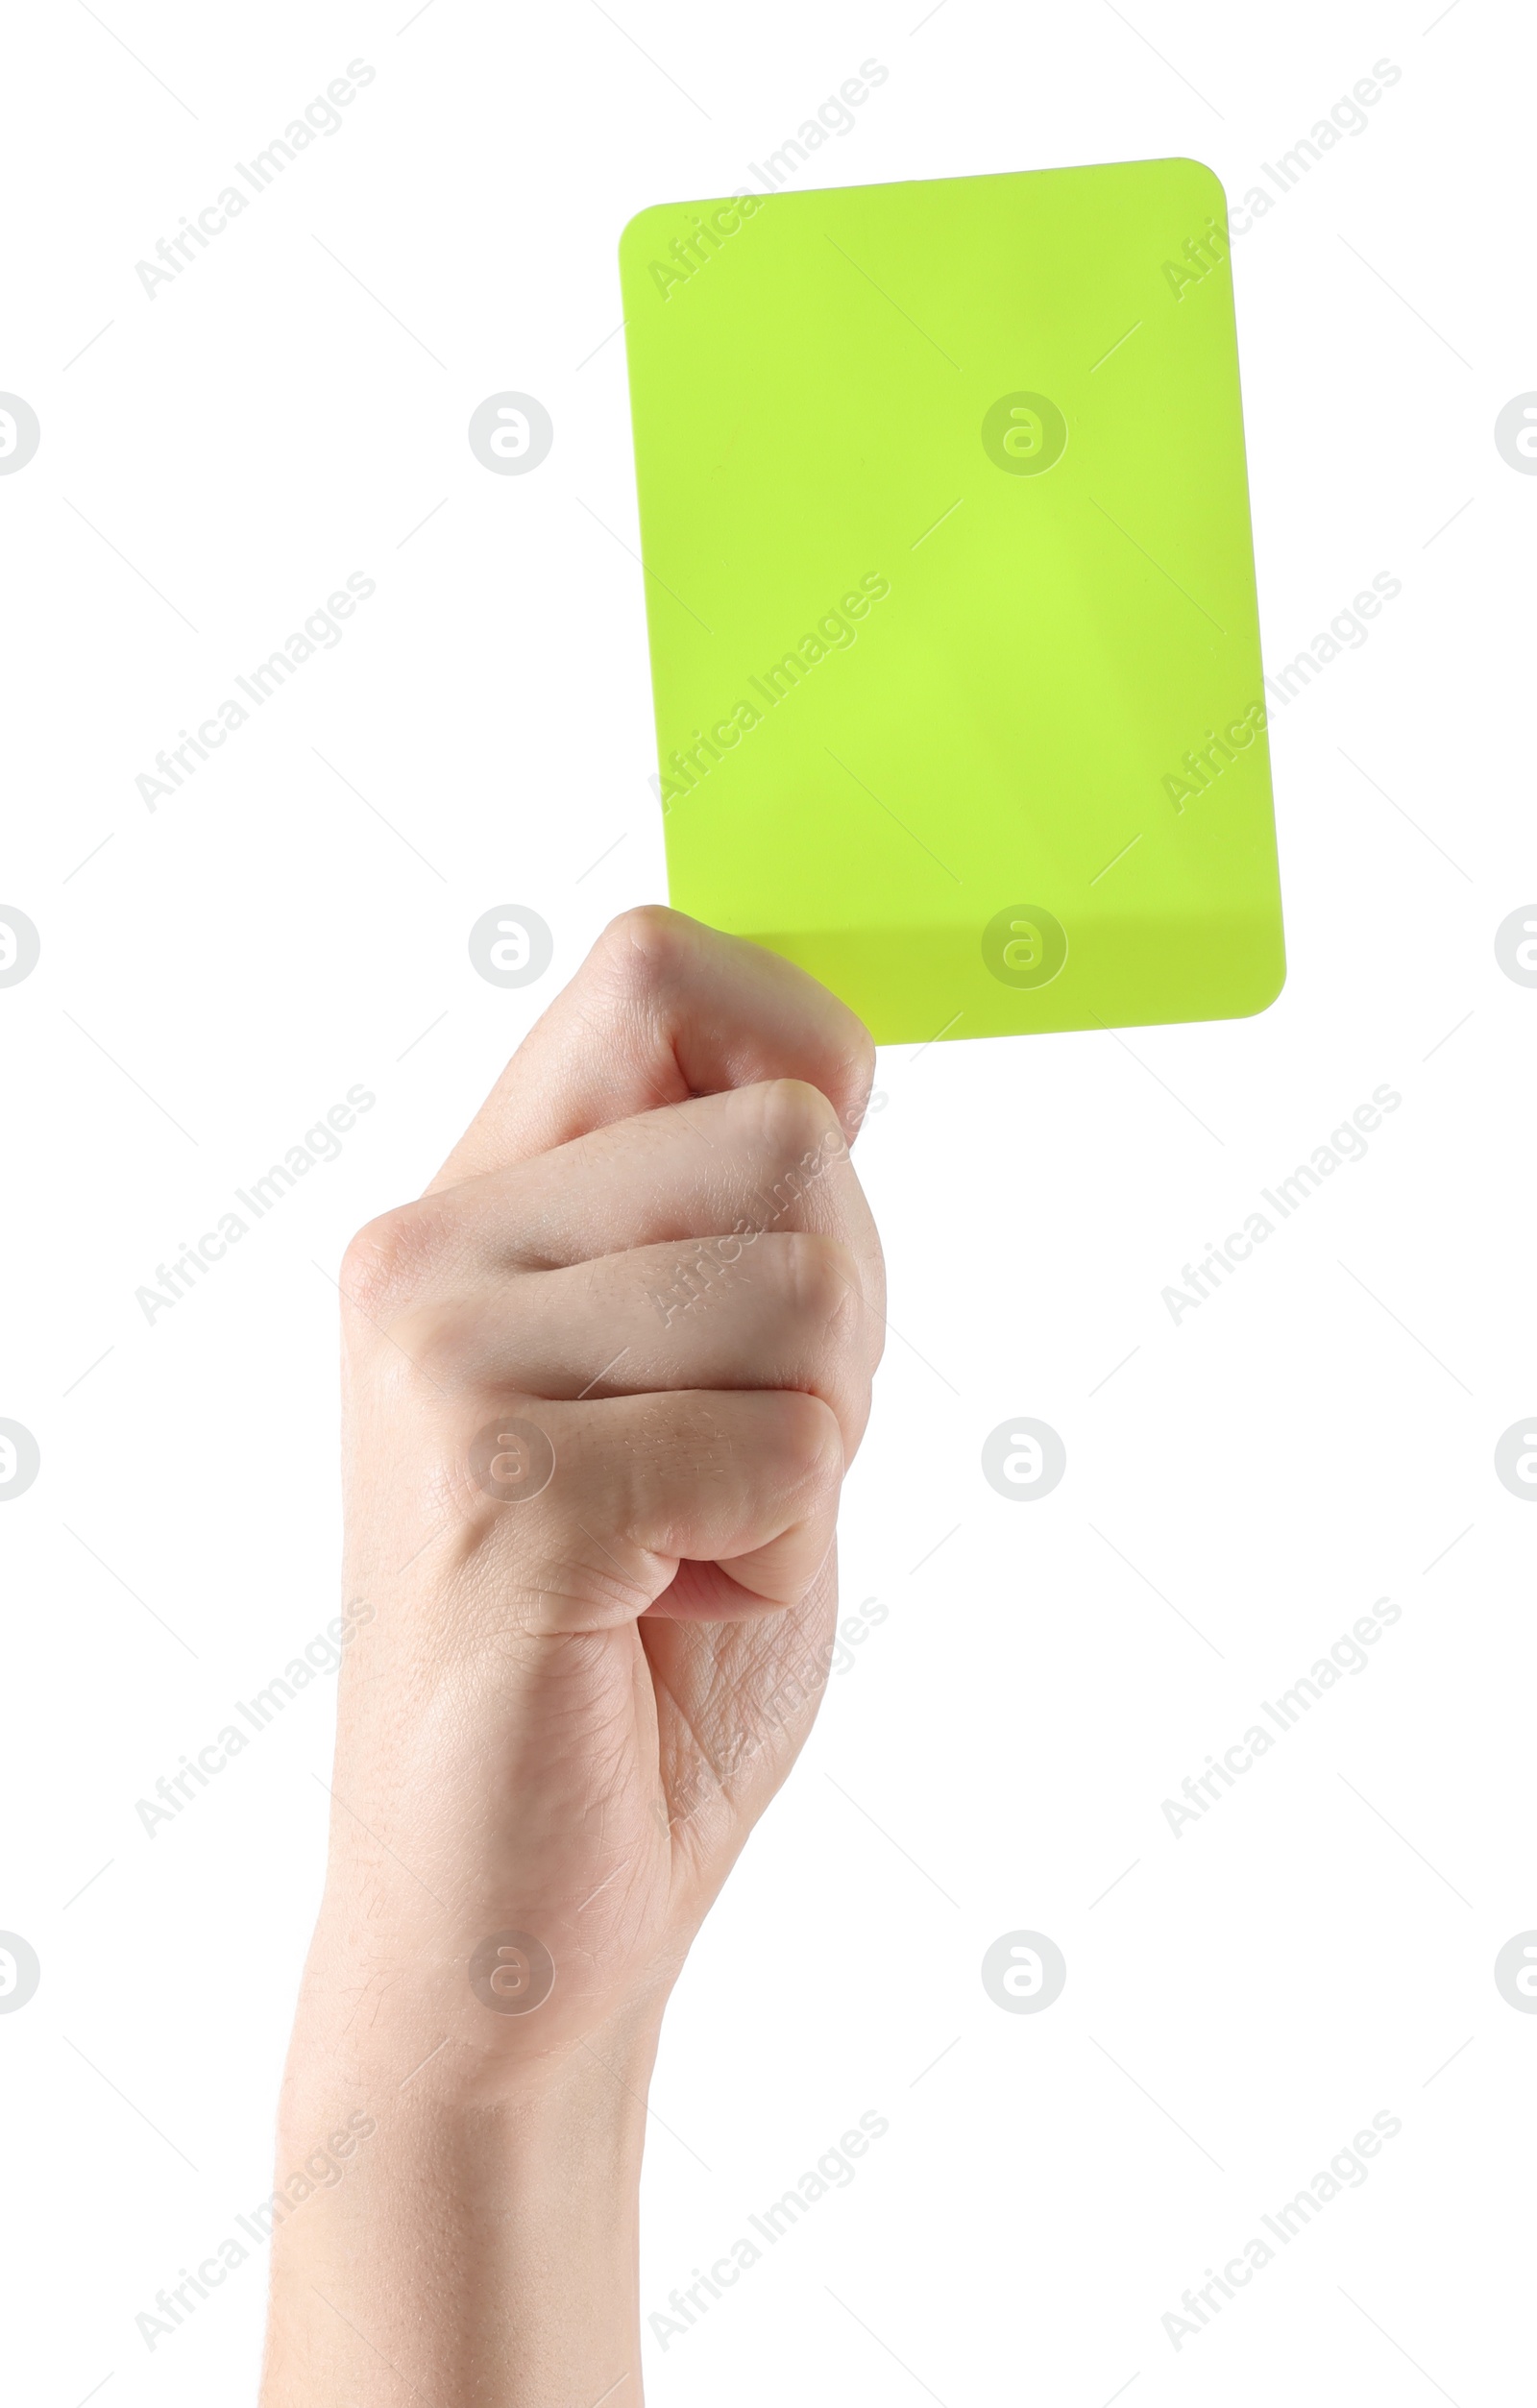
point(592, 1592)
point(478, 2245)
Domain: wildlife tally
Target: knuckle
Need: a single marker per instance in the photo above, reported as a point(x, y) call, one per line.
point(811, 1439)
point(641, 946)
point(821, 1281)
point(392, 1258)
point(445, 1342)
point(858, 1065)
point(795, 1120)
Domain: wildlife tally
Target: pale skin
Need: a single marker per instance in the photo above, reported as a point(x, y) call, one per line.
point(582, 1655)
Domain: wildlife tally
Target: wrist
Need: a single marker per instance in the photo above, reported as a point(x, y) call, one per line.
point(459, 2019)
point(468, 2214)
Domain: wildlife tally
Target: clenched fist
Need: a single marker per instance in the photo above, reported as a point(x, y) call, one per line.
point(603, 1381)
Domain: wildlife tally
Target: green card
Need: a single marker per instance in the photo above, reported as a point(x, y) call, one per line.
point(950, 588)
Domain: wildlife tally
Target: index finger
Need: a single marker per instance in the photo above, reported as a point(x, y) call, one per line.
point(663, 1009)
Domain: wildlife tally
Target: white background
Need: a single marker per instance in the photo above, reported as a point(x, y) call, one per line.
point(1240, 1487)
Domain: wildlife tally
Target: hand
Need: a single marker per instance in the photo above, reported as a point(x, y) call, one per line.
point(602, 1384)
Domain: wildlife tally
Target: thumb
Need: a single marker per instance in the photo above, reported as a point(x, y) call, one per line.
point(663, 1009)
